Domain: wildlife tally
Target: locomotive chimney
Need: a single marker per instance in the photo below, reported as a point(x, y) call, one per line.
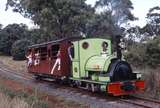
point(118, 47)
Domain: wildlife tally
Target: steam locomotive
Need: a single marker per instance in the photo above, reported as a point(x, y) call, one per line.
point(86, 63)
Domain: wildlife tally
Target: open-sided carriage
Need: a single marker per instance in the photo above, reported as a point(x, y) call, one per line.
point(50, 59)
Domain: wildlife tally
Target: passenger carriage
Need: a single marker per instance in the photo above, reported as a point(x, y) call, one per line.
point(53, 59)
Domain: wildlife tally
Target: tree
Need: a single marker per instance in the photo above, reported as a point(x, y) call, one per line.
point(39, 36)
point(136, 54)
point(118, 12)
point(101, 25)
point(153, 52)
point(19, 48)
point(61, 18)
point(10, 34)
point(152, 28)
point(132, 34)
point(1, 27)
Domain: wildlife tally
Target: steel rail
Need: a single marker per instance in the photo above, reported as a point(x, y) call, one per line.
point(135, 103)
point(147, 99)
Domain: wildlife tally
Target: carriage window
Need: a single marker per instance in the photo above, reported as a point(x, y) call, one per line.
point(43, 53)
point(55, 49)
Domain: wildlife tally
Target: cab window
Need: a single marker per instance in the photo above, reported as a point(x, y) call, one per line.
point(71, 52)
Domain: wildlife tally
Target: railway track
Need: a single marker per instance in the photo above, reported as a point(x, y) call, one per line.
point(16, 74)
point(142, 102)
point(135, 102)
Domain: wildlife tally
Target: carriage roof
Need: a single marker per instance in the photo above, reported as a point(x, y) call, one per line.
point(56, 42)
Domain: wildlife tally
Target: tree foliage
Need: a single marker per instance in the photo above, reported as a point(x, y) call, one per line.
point(39, 36)
point(10, 34)
point(100, 26)
point(19, 48)
point(136, 54)
point(67, 18)
point(60, 18)
point(153, 52)
point(109, 17)
point(133, 33)
point(152, 28)
point(154, 15)
point(148, 53)
point(119, 9)
point(1, 27)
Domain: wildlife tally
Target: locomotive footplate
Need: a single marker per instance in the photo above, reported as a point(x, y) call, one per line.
point(125, 88)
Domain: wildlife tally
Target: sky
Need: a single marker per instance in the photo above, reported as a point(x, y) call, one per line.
point(9, 17)
point(141, 8)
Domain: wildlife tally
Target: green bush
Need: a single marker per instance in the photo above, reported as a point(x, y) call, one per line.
point(19, 49)
point(136, 55)
point(153, 52)
point(10, 34)
point(140, 54)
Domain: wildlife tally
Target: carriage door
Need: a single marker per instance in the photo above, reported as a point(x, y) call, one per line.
point(55, 59)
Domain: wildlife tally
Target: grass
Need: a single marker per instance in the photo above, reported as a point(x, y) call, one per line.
point(20, 99)
point(152, 80)
point(27, 97)
point(13, 91)
point(7, 102)
point(16, 65)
